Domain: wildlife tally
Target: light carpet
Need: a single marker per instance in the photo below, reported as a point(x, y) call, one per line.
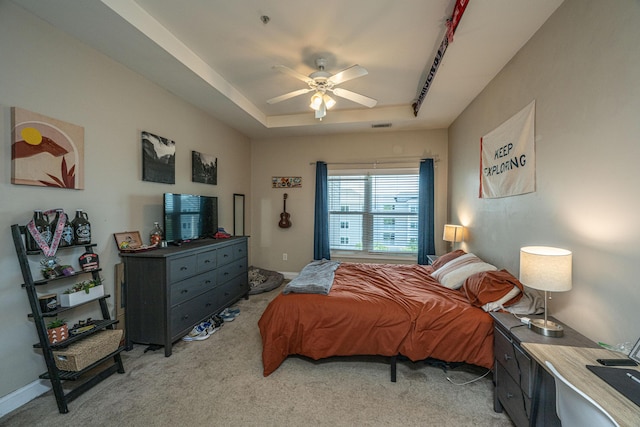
point(219, 381)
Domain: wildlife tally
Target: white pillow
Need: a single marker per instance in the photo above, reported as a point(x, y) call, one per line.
point(453, 274)
point(496, 305)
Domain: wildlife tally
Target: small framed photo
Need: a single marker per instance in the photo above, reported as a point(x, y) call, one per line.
point(635, 352)
point(130, 241)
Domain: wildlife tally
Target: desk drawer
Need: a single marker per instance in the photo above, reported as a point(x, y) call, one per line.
point(188, 288)
point(515, 361)
point(181, 268)
point(517, 405)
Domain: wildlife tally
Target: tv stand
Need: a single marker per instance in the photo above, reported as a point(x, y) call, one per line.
point(170, 290)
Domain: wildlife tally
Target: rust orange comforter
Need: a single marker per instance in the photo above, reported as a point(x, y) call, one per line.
point(377, 309)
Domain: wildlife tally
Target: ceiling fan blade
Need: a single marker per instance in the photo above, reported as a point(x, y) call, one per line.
point(289, 95)
point(293, 73)
point(348, 74)
point(355, 97)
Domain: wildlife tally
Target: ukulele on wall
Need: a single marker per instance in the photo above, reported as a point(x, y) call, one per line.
point(284, 216)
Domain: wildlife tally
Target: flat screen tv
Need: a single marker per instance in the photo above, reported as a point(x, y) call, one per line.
point(189, 217)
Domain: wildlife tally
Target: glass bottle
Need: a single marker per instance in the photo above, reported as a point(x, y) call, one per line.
point(41, 222)
point(81, 228)
point(156, 235)
point(67, 237)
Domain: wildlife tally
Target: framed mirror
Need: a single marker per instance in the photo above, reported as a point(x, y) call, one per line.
point(238, 214)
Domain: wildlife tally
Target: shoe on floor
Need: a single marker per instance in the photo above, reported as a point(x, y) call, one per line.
point(198, 333)
point(226, 316)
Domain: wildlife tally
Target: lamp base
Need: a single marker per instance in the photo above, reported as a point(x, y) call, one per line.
point(548, 328)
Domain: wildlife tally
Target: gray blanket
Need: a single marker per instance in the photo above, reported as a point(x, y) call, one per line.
point(315, 278)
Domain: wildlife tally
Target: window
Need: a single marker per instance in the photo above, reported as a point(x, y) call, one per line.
point(374, 213)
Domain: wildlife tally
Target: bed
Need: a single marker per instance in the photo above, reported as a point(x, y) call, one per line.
point(390, 310)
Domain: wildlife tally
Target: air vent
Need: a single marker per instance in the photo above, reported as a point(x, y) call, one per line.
point(381, 125)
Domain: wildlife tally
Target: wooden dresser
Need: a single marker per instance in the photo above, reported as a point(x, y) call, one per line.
point(528, 399)
point(170, 290)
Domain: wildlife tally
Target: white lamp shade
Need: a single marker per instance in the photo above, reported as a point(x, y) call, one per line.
point(452, 233)
point(545, 268)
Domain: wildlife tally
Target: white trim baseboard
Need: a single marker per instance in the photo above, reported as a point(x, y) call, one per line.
point(19, 397)
point(290, 275)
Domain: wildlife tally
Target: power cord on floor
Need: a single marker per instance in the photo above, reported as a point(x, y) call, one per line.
point(470, 381)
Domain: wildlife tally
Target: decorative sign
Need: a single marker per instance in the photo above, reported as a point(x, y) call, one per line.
point(452, 24)
point(286, 181)
point(507, 163)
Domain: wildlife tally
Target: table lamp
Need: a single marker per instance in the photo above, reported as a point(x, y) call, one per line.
point(453, 234)
point(546, 269)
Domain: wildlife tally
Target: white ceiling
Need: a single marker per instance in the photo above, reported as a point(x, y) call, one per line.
point(218, 54)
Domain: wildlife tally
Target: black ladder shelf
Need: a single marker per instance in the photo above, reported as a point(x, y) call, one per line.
point(53, 374)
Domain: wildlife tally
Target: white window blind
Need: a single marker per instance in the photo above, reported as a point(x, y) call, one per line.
point(374, 212)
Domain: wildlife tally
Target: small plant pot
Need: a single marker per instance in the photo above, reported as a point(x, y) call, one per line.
point(58, 334)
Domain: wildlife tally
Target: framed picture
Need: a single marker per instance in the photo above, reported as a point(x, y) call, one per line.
point(204, 168)
point(286, 181)
point(635, 352)
point(46, 152)
point(130, 241)
point(158, 159)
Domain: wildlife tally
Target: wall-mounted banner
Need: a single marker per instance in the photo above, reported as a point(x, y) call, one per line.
point(507, 157)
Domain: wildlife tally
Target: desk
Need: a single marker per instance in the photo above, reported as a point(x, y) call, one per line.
point(571, 361)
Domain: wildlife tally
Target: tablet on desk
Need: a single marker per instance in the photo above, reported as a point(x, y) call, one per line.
point(626, 381)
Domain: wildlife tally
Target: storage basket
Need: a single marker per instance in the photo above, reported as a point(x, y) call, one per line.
point(83, 353)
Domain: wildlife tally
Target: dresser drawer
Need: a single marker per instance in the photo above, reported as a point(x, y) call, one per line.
point(181, 268)
point(230, 271)
point(225, 255)
point(239, 250)
point(206, 261)
point(517, 405)
point(231, 290)
point(184, 316)
point(188, 288)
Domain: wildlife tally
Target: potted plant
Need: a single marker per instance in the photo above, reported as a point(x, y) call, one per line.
point(57, 331)
point(81, 292)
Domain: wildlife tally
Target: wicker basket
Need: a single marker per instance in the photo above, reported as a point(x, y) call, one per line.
point(83, 353)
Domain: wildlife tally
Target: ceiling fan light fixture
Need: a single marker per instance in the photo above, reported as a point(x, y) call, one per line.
point(328, 101)
point(316, 101)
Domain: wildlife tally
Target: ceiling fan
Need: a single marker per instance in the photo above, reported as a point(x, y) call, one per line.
point(322, 82)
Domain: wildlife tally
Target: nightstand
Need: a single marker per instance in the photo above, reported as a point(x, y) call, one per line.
point(431, 259)
point(522, 387)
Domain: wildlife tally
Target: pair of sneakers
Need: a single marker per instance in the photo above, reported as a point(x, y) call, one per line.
point(205, 329)
point(229, 314)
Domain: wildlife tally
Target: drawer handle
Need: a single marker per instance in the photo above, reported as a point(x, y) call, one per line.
point(509, 395)
point(183, 268)
point(184, 291)
point(226, 294)
point(185, 317)
point(225, 255)
point(507, 357)
point(226, 273)
point(206, 282)
point(208, 304)
point(207, 261)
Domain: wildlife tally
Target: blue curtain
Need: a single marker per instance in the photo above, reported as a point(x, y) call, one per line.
point(426, 245)
point(321, 217)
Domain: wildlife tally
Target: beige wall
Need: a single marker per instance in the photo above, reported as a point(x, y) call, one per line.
point(297, 157)
point(582, 69)
point(45, 71)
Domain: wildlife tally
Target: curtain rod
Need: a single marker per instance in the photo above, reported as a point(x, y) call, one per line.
point(378, 162)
